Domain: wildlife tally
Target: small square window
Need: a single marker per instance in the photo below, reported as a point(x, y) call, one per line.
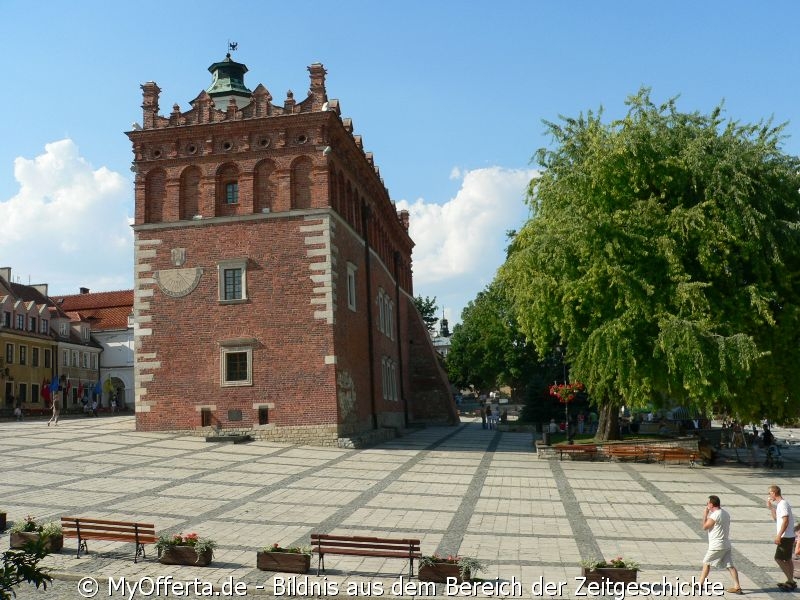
point(236, 366)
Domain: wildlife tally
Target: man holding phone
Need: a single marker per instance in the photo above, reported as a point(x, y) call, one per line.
point(717, 522)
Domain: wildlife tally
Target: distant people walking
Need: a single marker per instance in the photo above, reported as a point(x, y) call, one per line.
point(114, 405)
point(18, 412)
point(781, 513)
point(717, 522)
point(483, 416)
point(553, 427)
point(54, 417)
point(94, 408)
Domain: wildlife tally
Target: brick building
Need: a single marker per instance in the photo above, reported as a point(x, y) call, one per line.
point(273, 281)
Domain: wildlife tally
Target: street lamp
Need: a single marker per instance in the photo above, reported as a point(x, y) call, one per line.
point(568, 430)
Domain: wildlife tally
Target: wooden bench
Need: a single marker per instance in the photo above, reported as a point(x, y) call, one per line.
point(573, 450)
point(677, 455)
point(628, 451)
point(323, 544)
point(117, 531)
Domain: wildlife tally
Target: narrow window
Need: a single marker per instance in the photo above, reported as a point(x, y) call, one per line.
point(232, 193)
point(263, 415)
point(205, 417)
point(351, 286)
point(23, 355)
point(35, 357)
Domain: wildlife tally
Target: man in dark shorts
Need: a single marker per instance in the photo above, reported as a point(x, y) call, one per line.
point(781, 513)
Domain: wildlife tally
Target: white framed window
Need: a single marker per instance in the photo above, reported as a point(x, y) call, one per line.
point(63, 329)
point(9, 354)
point(389, 379)
point(351, 286)
point(44, 326)
point(236, 366)
point(85, 360)
point(20, 321)
point(232, 280)
point(23, 355)
point(85, 333)
point(94, 361)
point(65, 358)
point(385, 314)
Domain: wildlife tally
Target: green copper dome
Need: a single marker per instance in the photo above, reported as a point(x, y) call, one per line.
point(228, 80)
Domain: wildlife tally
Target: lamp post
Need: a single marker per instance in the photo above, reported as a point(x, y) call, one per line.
point(567, 429)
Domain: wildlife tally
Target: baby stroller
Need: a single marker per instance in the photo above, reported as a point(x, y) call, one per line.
point(774, 458)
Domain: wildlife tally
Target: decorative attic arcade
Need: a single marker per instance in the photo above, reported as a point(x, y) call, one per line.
point(229, 99)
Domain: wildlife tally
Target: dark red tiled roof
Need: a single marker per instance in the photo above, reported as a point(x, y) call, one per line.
point(102, 310)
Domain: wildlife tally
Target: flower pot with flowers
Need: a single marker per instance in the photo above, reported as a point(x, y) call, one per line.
point(28, 530)
point(438, 568)
point(616, 569)
point(189, 549)
point(293, 559)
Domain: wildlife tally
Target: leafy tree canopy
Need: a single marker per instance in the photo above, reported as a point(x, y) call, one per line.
point(487, 349)
point(663, 251)
point(428, 309)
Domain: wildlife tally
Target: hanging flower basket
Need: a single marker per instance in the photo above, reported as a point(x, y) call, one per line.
point(566, 392)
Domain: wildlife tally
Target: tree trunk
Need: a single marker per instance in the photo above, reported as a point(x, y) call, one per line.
point(608, 422)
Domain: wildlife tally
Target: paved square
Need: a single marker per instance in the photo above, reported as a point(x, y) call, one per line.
point(461, 490)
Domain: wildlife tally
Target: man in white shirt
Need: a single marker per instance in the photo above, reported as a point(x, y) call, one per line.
point(717, 522)
point(781, 513)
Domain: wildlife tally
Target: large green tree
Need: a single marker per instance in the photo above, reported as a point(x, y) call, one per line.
point(663, 252)
point(487, 349)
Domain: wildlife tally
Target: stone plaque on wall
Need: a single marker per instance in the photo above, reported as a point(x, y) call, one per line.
point(234, 415)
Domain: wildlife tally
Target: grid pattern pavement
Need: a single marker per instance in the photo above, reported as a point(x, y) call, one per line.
point(460, 490)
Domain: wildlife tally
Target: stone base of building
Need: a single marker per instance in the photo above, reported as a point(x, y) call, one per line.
point(312, 435)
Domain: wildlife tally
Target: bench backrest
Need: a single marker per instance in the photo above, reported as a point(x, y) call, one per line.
point(122, 530)
point(323, 542)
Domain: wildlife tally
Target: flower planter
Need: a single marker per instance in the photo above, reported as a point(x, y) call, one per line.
point(185, 555)
point(53, 543)
point(285, 562)
point(439, 572)
point(609, 573)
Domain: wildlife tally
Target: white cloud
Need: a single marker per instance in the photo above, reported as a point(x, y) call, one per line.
point(68, 225)
point(461, 243)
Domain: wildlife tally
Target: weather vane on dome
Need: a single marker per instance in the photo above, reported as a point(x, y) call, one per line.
point(232, 46)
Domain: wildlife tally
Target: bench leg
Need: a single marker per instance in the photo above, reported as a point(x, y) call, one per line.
point(82, 546)
point(139, 552)
point(320, 563)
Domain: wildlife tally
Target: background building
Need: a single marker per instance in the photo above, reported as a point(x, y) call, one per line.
point(109, 316)
point(273, 283)
point(41, 342)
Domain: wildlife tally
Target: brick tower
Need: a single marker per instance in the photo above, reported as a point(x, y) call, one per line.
point(273, 280)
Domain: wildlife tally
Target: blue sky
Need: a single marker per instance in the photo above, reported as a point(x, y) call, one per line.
point(449, 96)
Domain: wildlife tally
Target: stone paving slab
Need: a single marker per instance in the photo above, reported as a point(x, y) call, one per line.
point(461, 490)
